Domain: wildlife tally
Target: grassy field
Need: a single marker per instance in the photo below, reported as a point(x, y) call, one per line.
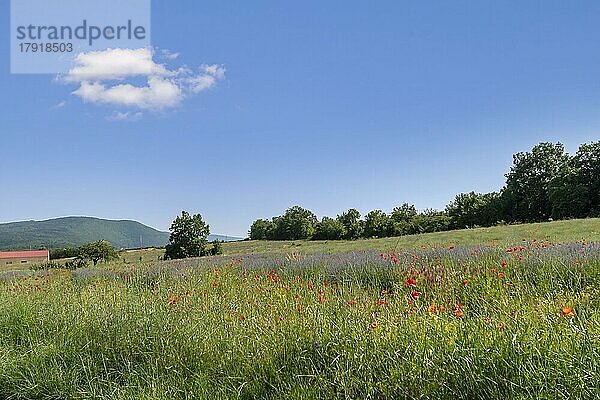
point(557, 231)
point(455, 315)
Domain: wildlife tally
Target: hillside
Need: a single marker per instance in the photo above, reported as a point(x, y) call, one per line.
point(567, 231)
point(74, 231)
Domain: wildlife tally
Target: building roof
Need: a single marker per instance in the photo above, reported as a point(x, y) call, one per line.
point(24, 254)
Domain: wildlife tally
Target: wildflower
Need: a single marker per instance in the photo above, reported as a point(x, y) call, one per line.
point(373, 325)
point(322, 298)
point(214, 284)
point(242, 317)
point(297, 296)
point(451, 247)
point(381, 302)
point(465, 281)
point(458, 310)
point(500, 325)
point(500, 274)
point(415, 295)
point(351, 302)
point(442, 308)
point(567, 312)
point(411, 282)
point(503, 263)
point(432, 309)
point(493, 270)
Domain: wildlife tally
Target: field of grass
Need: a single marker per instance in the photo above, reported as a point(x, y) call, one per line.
point(556, 231)
point(454, 315)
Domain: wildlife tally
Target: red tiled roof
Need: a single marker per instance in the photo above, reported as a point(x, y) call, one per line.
point(24, 254)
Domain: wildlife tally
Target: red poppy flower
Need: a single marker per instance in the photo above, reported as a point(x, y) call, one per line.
point(567, 312)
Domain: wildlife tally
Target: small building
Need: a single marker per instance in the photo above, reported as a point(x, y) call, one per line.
point(14, 258)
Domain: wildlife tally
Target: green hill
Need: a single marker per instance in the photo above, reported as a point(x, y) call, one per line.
point(568, 231)
point(74, 231)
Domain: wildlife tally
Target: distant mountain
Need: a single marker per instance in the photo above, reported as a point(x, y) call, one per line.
point(74, 231)
point(224, 238)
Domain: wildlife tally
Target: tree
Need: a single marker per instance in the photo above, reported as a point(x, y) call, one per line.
point(474, 209)
point(329, 229)
point(587, 162)
point(262, 229)
point(98, 251)
point(432, 221)
point(575, 191)
point(352, 224)
point(403, 220)
point(296, 223)
point(377, 224)
point(526, 195)
point(217, 248)
point(188, 237)
point(568, 196)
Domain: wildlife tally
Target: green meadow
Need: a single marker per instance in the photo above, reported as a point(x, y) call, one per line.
point(503, 312)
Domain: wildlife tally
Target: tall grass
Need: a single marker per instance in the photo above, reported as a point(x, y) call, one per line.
point(474, 323)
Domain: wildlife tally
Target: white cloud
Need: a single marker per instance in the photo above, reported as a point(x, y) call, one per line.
point(59, 105)
point(125, 116)
point(159, 93)
point(105, 77)
point(114, 64)
point(169, 55)
point(207, 78)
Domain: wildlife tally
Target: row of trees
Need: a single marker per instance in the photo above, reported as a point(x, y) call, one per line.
point(542, 184)
point(299, 223)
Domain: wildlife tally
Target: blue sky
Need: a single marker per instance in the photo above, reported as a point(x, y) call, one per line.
point(328, 105)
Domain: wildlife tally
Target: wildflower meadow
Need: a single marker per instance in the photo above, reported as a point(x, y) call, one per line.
point(451, 322)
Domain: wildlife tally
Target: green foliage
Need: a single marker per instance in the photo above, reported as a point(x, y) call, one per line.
point(46, 266)
point(575, 191)
point(469, 210)
point(527, 193)
point(217, 248)
point(262, 229)
point(188, 237)
point(587, 163)
point(329, 229)
point(403, 220)
point(67, 252)
point(377, 224)
point(350, 220)
point(98, 251)
point(76, 263)
point(296, 223)
point(432, 221)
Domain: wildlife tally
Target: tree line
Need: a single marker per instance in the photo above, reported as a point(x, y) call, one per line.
point(542, 184)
